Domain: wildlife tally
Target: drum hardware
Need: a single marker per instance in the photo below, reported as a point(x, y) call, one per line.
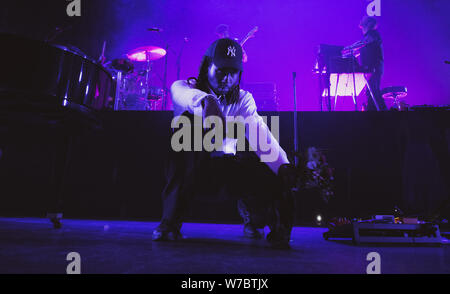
point(123, 65)
point(133, 79)
point(101, 60)
point(396, 93)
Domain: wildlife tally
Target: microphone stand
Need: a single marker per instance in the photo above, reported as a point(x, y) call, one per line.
point(178, 66)
point(179, 58)
point(164, 79)
point(296, 149)
point(164, 106)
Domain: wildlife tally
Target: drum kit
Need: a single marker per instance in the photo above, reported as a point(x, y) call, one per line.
point(135, 89)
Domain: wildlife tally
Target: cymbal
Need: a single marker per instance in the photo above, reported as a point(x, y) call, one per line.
point(394, 92)
point(146, 53)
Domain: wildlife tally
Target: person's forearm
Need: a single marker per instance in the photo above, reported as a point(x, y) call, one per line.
point(211, 107)
point(186, 97)
point(265, 145)
point(356, 45)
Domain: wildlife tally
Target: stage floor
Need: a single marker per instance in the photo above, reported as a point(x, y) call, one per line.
point(31, 245)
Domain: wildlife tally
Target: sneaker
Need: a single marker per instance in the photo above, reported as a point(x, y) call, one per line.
point(160, 234)
point(250, 231)
point(277, 241)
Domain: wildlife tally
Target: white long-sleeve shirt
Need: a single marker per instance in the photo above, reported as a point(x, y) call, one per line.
point(187, 98)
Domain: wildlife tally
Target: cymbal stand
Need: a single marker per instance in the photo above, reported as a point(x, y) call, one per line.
point(354, 82)
point(119, 98)
point(146, 91)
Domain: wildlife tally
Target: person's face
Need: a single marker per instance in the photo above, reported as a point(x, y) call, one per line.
point(222, 80)
point(363, 28)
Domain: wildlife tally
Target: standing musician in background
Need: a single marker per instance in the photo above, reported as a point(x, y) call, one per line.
point(223, 31)
point(370, 48)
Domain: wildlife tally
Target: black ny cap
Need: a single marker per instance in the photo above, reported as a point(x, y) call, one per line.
point(226, 53)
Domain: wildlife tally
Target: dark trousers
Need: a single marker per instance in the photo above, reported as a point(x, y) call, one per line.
point(243, 177)
point(374, 83)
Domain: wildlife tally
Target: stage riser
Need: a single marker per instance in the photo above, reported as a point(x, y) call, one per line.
point(381, 160)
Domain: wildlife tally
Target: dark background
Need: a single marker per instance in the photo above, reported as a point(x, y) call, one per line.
point(415, 35)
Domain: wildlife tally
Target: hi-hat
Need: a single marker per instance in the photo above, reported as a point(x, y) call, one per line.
point(394, 92)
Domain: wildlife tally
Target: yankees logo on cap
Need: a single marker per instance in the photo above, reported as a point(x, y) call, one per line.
point(231, 51)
